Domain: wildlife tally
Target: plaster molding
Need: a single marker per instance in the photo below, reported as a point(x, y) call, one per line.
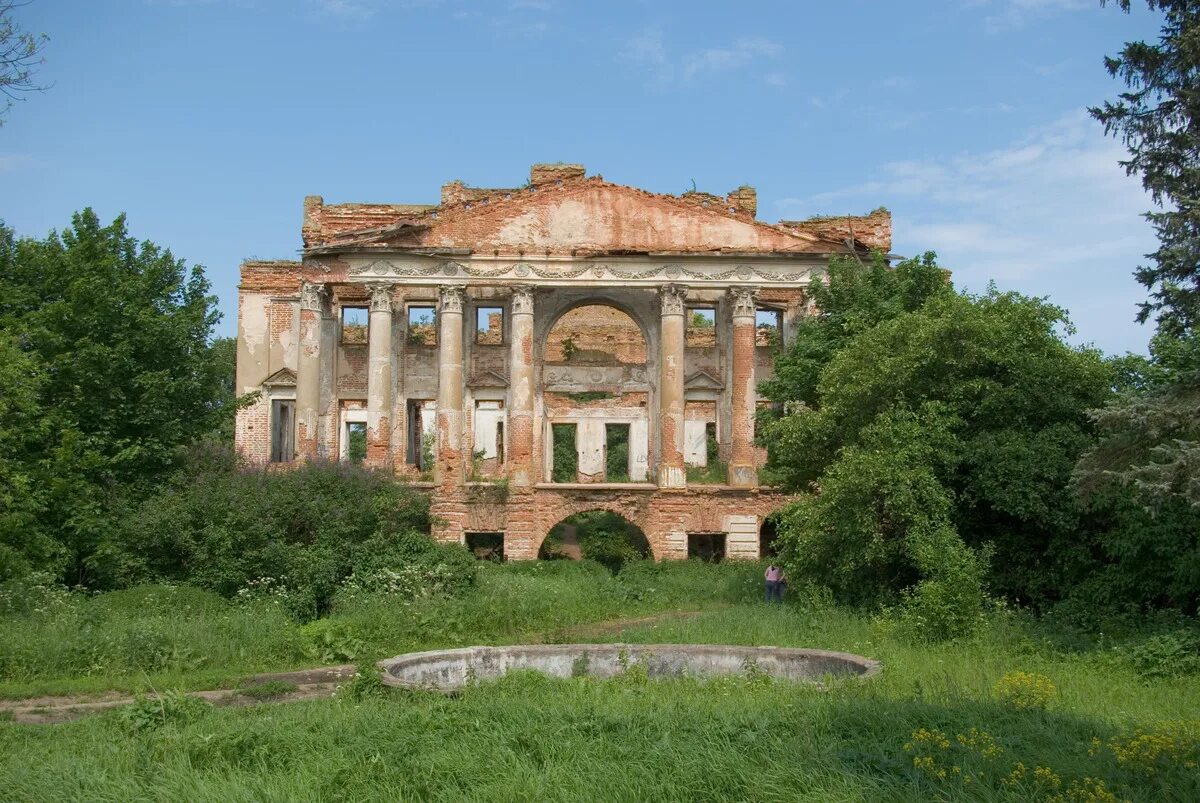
point(451, 297)
point(313, 296)
point(381, 296)
point(522, 299)
point(743, 299)
point(673, 298)
point(579, 271)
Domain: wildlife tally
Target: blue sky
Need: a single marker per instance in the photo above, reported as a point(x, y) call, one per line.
point(208, 121)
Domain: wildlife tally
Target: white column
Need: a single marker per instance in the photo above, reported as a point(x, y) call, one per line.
point(379, 375)
point(450, 385)
point(672, 336)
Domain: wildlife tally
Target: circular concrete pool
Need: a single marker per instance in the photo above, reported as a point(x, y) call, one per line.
point(448, 670)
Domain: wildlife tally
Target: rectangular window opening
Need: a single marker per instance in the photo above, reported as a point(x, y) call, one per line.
point(354, 325)
point(422, 325)
point(421, 434)
point(708, 547)
point(486, 546)
point(565, 466)
point(489, 326)
point(489, 436)
point(283, 430)
point(616, 452)
point(768, 327)
point(701, 327)
point(712, 447)
point(356, 442)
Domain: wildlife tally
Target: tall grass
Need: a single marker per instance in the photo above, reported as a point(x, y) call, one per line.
point(628, 738)
point(177, 636)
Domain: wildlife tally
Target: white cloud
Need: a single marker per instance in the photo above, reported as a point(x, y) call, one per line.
point(1010, 15)
point(364, 9)
point(1050, 214)
point(647, 52)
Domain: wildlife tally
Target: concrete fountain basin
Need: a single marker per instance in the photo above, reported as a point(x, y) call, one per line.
point(450, 670)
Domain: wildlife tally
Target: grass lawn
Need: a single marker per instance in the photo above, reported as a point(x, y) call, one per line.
point(930, 726)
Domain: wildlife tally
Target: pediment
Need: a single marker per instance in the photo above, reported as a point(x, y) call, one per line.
point(488, 379)
point(702, 380)
point(591, 217)
point(283, 378)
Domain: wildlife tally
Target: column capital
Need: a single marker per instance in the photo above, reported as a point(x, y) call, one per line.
point(743, 299)
point(451, 297)
point(313, 296)
point(522, 299)
point(381, 296)
point(672, 298)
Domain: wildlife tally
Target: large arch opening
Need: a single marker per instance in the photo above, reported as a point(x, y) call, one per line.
point(599, 535)
point(595, 334)
point(596, 396)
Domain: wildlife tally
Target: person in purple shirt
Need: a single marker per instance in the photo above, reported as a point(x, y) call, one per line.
point(775, 579)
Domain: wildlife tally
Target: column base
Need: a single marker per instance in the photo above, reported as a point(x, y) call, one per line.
point(743, 475)
point(672, 477)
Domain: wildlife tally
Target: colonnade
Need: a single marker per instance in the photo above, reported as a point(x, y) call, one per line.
point(451, 454)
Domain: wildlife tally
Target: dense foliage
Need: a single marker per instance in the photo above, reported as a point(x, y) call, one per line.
point(106, 355)
point(601, 536)
point(299, 533)
point(936, 429)
point(1151, 432)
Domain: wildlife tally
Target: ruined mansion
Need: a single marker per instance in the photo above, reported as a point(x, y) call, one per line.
point(530, 353)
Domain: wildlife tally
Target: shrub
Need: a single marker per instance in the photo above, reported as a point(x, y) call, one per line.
point(1173, 654)
point(151, 713)
point(225, 528)
point(1024, 690)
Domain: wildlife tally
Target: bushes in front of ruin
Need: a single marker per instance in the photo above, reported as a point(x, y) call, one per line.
point(933, 445)
point(297, 534)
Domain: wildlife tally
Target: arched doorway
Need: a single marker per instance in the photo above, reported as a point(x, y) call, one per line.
point(598, 535)
point(596, 396)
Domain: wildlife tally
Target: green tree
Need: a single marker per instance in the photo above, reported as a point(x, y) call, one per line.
point(852, 298)
point(117, 332)
point(963, 416)
point(1151, 433)
point(1158, 119)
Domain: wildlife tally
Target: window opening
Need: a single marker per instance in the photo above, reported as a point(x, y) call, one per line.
point(283, 430)
point(422, 325)
point(565, 467)
point(708, 547)
point(421, 434)
point(489, 326)
point(486, 546)
point(354, 325)
point(356, 441)
point(768, 327)
point(616, 453)
point(701, 327)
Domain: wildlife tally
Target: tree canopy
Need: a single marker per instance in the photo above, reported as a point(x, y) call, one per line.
point(105, 342)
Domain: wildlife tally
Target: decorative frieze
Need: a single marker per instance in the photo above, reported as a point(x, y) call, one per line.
point(580, 271)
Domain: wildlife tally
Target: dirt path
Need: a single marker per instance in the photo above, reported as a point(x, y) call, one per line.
point(311, 684)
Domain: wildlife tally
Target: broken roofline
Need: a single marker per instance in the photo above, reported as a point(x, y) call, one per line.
point(344, 227)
